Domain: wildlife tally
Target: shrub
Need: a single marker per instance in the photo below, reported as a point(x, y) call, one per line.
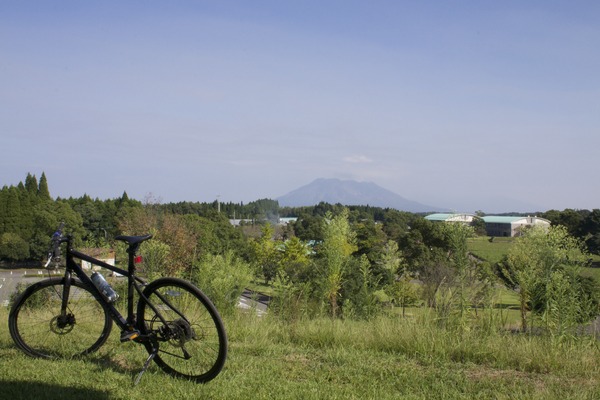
point(222, 278)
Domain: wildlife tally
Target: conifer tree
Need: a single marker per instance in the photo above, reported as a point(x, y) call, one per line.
point(12, 217)
point(43, 192)
point(26, 201)
point(3, 201)
point(31, 186)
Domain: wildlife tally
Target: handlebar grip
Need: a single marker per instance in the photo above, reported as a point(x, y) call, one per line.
point(54, 251)
point(58, 232)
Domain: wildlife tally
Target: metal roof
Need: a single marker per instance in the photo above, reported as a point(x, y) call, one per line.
point(438, 217)
point(446, 216)
point(501, 220)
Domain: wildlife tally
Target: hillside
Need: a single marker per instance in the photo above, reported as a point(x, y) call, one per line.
point(349, 192)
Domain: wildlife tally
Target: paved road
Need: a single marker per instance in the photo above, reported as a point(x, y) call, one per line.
point(248, 303)
point(9, 279)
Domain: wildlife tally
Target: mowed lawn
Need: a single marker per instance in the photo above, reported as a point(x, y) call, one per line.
point(493, 251)
point(489, 250)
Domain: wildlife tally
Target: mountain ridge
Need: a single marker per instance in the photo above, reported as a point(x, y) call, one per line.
point(350, 193)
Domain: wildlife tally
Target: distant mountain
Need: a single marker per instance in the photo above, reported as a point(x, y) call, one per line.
point(350, 193)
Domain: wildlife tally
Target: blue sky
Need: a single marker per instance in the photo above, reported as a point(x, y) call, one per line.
point(460, 104)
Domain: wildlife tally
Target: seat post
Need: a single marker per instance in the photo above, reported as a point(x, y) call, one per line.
point(131, 251)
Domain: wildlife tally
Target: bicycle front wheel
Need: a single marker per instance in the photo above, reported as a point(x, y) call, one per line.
point(40, 329)
point(189, 332)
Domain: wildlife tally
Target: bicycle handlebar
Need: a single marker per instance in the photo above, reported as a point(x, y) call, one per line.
point(54, 251)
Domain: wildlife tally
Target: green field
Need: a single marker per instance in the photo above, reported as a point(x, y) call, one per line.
point(491, 251)
point(385, 358)
point(593, 272)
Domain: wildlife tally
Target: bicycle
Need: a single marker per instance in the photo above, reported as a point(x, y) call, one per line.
point(69, 316)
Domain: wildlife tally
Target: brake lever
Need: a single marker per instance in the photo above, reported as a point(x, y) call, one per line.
point(51, 259)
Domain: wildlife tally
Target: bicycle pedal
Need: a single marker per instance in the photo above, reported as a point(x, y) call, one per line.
point(126, 336)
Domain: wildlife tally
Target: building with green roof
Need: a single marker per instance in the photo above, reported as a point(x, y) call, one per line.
point(507, 226)
point(451, 217)
point(510, 226)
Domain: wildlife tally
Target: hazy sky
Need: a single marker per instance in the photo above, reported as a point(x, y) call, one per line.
point(491, 105)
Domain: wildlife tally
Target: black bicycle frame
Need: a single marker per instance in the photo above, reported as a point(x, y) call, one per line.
point(72, 266)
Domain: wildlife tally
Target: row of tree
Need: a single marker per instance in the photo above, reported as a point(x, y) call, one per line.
point(582, 224)
point(343, 261)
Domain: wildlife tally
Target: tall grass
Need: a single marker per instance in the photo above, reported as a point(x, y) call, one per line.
point(425, 342)
point(384, 358)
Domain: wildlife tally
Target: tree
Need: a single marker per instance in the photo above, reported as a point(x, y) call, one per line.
point(13, 247)
point(456, 235)
point(544, 266)
point(569, 218)
point(264, 209)
point(31, 185)
point(336, 249)
point(358, 288)
point(370, 239)
point(400, 289)
point(3, 212)
point(392, 261)
point(593, 243)
point(223, 279)
point(308, 227)
point(266, 254)
point(478, 225)
point(156, 258)
point(43, 191)
point(295, 258)
point(181, 240)
point(396, 224)
point(590, 230)
point(403, 293)
point(12, 216)
point(47, 217)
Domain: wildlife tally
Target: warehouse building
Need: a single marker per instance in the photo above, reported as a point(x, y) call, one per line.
point(511, 226)
point(505, 226)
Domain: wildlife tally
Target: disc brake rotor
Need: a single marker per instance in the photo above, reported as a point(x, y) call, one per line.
point(62, 325)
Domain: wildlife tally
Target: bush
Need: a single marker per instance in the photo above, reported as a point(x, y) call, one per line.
point(223, 279)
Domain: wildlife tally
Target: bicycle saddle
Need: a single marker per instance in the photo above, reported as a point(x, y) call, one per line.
point(131, 240)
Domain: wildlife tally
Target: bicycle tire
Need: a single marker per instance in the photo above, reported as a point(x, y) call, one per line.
point(38, 330)
point(193, 344)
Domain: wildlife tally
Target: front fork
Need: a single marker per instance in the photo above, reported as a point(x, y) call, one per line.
point(65, 294)
point(65, 319)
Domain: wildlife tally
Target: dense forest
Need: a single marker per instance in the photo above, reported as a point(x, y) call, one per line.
point(342, 260)
point(28, 214)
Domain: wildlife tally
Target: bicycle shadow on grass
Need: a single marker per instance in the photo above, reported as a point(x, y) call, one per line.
point(118, 364)
point(17, 390)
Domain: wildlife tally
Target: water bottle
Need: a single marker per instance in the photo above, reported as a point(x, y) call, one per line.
point(104, 287)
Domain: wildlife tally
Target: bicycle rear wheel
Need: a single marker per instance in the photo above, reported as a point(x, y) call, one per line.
point(38, 328)
point(191, 337)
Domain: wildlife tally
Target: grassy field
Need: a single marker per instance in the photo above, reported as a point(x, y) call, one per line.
point(493, 251)
point(387, 358)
